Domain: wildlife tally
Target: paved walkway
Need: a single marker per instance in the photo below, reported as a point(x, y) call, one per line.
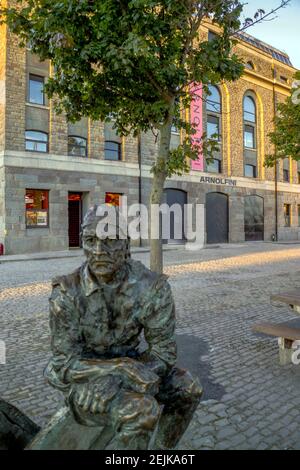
point(250, 401)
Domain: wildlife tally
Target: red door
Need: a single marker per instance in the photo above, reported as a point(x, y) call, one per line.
point(75, 203)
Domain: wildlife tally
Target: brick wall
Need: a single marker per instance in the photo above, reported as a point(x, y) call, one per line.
point(15, 94)
point(3, 32)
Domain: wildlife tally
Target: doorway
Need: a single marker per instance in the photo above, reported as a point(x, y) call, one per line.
point(75, 219)
point(216, 218)
point(179, 197)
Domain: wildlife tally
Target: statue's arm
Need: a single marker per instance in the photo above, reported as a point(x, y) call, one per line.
point(159, 329)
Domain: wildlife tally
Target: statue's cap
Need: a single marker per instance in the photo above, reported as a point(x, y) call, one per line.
point(110, 216)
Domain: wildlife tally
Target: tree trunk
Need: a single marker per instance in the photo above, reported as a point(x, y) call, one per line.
point(159, 178)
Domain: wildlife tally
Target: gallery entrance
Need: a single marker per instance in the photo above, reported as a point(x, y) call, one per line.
point(216, 218)
point(75, 219)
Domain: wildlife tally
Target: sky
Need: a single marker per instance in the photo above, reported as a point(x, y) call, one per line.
point(283, 32)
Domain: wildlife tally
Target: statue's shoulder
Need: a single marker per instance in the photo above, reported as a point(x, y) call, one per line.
point(68, 282)
point(140, 273)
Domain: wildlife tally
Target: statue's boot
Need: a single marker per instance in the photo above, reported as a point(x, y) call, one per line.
point(180, 394)
point(172, 425)
point(16, 429)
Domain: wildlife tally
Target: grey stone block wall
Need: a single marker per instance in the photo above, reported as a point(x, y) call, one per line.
point(93, 186)
point(20, 239)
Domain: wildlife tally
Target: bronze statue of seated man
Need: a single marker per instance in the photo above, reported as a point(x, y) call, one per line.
point(97, 316)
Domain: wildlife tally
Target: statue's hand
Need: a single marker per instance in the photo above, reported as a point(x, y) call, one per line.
point(138, 377)
point(93, 397)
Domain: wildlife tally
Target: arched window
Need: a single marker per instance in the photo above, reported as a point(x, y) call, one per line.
point(249, 109)
point(36, 141)
point(112, 150)
point(249, 65)
point(213, 100)
point(214, 114)
point(77, 146)
point(250, 123)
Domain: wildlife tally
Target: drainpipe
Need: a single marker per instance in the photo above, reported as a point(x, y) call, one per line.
point(276, 162)
point(140, 176)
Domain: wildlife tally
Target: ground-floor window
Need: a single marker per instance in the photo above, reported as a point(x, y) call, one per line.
point(37, 208)
point(113, 199)
point(298, 215)
point(287, 215)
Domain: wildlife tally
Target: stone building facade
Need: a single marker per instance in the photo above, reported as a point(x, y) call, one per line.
point(51, 171)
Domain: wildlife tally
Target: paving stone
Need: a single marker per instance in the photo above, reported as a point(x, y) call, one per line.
point(250, 401)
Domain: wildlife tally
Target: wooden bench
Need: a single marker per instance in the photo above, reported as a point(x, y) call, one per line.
point(290, 298)
point(286, 335)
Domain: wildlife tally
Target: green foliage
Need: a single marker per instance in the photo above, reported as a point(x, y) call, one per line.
point(132, 58)
point(286, 137)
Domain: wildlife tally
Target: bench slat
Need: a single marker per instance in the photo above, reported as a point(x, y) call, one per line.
point(280, 331)
point(290, 298)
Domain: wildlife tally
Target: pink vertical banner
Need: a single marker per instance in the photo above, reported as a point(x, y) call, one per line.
point(196, 116)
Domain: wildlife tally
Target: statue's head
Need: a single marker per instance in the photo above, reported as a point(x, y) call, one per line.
point(105, 241)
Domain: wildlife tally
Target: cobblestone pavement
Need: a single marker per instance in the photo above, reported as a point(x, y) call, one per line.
point(250, 401)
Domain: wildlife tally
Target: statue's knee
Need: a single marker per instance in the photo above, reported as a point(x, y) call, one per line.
point(188, 386)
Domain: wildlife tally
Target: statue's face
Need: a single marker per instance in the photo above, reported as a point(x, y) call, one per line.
point(104, 256)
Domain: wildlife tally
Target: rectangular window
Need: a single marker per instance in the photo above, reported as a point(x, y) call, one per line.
point(113, 199)
point(286, 176)
point(112, 150)
point(37, 208)
point(298, 216)
point(213, 127)
point(36, 141)
point(214, 166)
point(287, 215)
point(298, 177)
point(36, 93)
point(249, 137)
point(77, 146)
point(250, 171)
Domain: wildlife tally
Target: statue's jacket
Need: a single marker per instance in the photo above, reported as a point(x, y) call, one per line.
point(90, 320)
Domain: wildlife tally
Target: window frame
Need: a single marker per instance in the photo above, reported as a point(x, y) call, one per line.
point(254, 170)
point(37, 141)
point(40, 79)
point(38, 210)
point(119, 152)
point(219, 166)
point(79, 146)
point(250, 124)
point(286, 175)
point(287, 215)
point(254, 137)
point(218, 125)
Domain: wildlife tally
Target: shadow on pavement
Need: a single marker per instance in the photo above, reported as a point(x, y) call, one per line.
point(190, 350)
